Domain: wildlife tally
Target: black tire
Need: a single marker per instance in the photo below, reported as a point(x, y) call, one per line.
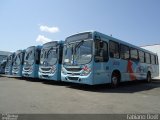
point(115, 80)
point(149, 79)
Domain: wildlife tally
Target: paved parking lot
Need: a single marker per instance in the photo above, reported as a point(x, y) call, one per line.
point(39, 96)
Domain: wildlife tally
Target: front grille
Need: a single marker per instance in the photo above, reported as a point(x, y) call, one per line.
point(73, 73)
point(73, 78)
point(16, 69)
point(45, 68)
point(45, 72)
point(73, 69)
point(26, 68)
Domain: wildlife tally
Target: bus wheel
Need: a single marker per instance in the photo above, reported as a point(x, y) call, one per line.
point(115, 80)
point(149, 79)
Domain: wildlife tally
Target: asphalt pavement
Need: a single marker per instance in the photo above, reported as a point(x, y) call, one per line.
point(21, 95)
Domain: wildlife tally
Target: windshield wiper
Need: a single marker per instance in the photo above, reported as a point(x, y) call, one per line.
point(78, 45)
point(28, 54)
point(52, 48)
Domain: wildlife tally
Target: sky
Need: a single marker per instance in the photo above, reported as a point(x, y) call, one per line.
point(25, 23)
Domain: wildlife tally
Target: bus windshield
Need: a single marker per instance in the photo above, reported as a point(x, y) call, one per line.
point(29, 57)
point(17, 61)
point(52, 56)
point(49, 55)
point(79, 52)
point(9, 60)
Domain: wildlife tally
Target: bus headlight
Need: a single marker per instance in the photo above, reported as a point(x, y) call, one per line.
point(53, 69)
point(86, 71)
point(41, 62)
point(63, 71)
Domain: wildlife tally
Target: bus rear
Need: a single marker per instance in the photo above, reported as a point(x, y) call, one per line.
point(18, 63)
point(50, 61)
point(31, 61)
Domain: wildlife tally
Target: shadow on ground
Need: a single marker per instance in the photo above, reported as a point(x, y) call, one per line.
point(125, 87)
point(2, 75)
point(44, 81)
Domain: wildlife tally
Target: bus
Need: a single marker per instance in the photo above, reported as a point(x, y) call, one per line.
point(9, 64)
point(18, 63)
point(50, 61)
point(2, 66)
point(95, 58)
point(31, 61)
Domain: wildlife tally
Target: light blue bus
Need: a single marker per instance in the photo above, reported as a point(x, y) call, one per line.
point(50, 61)
point(31, 61)
point(95, 58)
point(2, 66)
point(9, 64)
point(18, 63)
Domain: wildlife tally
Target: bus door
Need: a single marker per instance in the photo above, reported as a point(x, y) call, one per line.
point(100, 62)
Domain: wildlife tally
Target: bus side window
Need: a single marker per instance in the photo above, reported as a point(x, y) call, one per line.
point(141, 56)
point(133, 54)
point(147, 58)
point(156, 57)
point(153, 59)
point(101, 51)
point(114, 49)
point(124, 52)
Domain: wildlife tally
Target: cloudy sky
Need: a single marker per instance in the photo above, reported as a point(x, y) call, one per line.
point(24, 23)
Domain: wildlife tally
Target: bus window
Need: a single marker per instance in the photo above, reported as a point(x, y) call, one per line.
point(134, 54)
point(113, 49)
point(156, 57)
point(147, 58)
point(124, 51)
point(141, 56)
point(101, 51)
point(153, 59)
